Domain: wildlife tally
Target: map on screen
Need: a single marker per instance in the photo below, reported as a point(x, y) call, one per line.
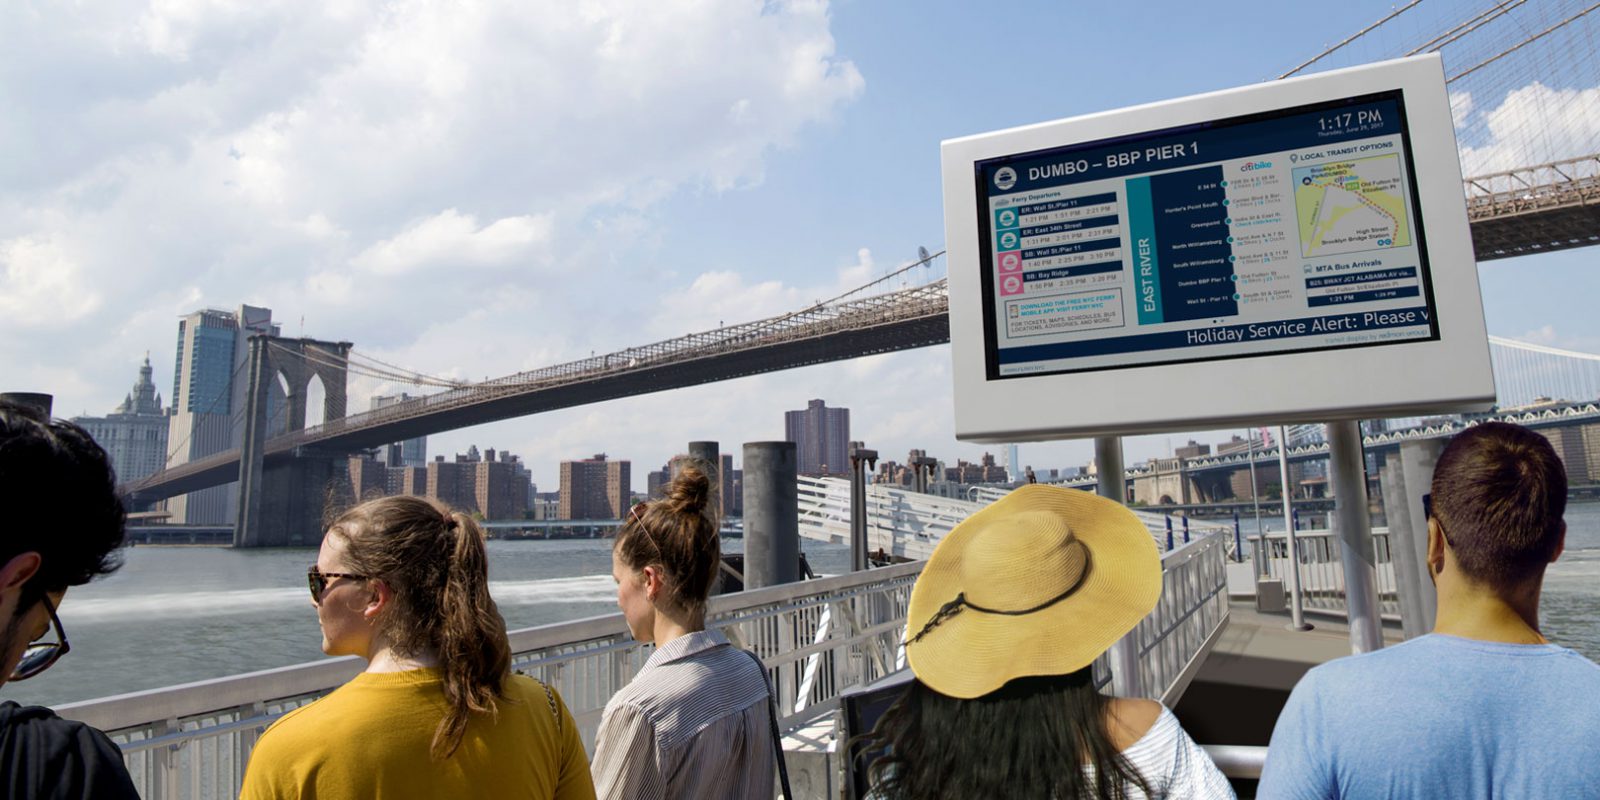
point(1290, 231)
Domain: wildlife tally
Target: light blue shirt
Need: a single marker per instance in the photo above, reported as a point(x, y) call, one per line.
point(1441, 717)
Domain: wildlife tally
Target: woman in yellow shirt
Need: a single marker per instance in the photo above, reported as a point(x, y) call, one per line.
point(403, 583)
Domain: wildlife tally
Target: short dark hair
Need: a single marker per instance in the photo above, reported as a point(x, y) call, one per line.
point(1499, 492)
point(59, 499)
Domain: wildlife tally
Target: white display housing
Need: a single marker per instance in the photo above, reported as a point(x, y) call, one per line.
point(1295, 251)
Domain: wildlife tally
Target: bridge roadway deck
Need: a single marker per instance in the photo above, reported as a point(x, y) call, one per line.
point(756, 358)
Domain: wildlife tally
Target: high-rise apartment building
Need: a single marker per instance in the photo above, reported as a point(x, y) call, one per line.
point(822, 438)
point(135, 434)
point(409, 453)
point(595, 488)
point(656, 481)
point(369, 478)
point(208, 391)
point(453, 483)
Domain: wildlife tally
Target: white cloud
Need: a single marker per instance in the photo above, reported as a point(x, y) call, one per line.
point(41, 284)
point(343, 162)
point(452, 239)
point(1531, 125)
point(1546, 336)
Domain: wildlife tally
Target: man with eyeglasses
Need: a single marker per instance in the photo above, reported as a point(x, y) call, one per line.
point(61, 526)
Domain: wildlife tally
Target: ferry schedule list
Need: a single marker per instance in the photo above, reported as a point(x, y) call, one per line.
point(1274, 233)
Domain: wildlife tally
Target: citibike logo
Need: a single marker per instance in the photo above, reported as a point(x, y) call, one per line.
point(1255, 165)
point(1005, 178)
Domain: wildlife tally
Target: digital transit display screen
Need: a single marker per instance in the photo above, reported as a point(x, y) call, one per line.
point(1289, 231)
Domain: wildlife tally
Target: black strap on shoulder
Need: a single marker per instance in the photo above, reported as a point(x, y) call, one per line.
point(554, 711)
point(772, 716)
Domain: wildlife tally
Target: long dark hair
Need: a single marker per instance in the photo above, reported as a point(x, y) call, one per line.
point(678, 535)
point(436, 562)
point(1027, 739)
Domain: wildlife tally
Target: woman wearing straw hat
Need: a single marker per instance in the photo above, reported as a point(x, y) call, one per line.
point(1004, 626)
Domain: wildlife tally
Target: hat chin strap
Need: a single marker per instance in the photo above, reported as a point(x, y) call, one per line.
point(955, 606)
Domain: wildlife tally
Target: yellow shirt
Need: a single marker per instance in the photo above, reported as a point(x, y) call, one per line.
point(370, 739)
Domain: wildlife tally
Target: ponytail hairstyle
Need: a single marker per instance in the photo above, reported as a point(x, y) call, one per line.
point(435, 561)
point(678, 536)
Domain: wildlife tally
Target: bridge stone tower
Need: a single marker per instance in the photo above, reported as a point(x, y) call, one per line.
point(285, 503)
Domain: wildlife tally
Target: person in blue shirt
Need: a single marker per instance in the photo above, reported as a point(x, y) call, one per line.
point(1484, 706)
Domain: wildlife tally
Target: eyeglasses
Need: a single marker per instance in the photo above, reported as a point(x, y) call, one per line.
point(318, 580)
point(41, 656)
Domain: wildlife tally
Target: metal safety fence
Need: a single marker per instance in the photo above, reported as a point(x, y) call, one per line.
point(818, 640)
point(1322, 584)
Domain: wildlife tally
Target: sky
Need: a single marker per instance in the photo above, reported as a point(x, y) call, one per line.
point(476, 189)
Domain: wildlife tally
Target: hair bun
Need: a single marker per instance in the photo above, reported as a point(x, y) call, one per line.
point(689, 491)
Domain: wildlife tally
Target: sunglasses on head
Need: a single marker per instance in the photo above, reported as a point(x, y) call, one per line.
point(42, 655)
point(319, 580)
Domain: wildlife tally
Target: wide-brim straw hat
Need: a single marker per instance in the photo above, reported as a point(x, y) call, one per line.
point(1040, 582)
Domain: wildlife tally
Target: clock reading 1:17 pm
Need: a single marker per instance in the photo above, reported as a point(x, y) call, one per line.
point(1334, 122)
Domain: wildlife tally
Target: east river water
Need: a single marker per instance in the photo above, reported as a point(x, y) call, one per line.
point(179, 614)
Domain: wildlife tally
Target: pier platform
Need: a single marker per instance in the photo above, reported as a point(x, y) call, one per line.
point(1245, 681)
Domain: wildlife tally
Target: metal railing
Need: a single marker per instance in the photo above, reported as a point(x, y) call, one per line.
point(1174, 639)
point(817, 638)
point(902, 523)
point(1322, 572)
point(908, 524)
point(1238, 760)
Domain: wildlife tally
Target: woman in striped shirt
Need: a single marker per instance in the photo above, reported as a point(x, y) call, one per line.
point(1004, 625)
point(694, 722)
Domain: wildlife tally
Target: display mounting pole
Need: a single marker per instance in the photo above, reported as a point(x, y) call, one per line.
point(1347, 474)
point(1297, 614)
point(1126, 680)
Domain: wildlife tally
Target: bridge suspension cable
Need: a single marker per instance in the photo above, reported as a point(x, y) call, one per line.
point(1357, 35)
point(1470, 25)
point(353, 365)
point(1524, 77)
point(1519, 45)
point(211, 408)
point(1527, 373)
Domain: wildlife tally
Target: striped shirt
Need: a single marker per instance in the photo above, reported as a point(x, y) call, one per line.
point(1173, 764)
point(692, 724)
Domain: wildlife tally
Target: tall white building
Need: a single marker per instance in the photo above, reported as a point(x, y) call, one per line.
point(135, 434)
point(208, 401)
point(1009, 460)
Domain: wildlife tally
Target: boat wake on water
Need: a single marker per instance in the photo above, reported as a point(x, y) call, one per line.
point(211, 603)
